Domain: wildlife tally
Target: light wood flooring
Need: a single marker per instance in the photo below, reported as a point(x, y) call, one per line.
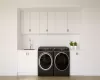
point(50, 78)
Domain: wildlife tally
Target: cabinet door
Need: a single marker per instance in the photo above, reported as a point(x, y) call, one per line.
point(25, 22)
point(22, 62)
point(75, 62)
point(34, 22)
point(43, 22)
point(61, 22)
point(32, 62)
point(27, 62)
point(51, 22)
point(74, 21)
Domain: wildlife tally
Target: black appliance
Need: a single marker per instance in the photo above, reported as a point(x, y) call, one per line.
point(53, 61)
point(45, 61)
point(61, 61)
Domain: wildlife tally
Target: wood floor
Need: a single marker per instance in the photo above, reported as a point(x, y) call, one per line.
point(50, 78)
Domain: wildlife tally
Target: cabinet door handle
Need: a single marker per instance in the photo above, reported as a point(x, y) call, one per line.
point(76, 53)
point(67, 30)
point(27, 54)
point(29, 30)
point(46, 30)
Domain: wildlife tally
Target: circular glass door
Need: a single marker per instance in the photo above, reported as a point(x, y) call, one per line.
point(45, 61)
point(61, 61)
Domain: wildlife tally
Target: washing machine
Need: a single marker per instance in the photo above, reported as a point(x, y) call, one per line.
point(61, 61)
point(45, 61)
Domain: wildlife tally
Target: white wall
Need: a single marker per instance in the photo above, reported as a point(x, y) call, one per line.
point(90, 33)
point(8, 37)
point(49, 40)
point(89, 64)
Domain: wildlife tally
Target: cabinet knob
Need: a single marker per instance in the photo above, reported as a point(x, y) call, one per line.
point(76, 53)
point(67, 30)
point(29, 30)
point(27, 53)
point(46, 30)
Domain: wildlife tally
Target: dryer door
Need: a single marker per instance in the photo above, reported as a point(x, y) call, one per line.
point(45, 61)
point(61, 61)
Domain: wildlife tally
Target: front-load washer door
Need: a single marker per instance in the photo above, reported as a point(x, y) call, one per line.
point(61, 61)
point(45, 61)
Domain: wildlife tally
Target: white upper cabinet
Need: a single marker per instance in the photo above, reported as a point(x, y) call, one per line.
point(43, 22)
point(34, 22)
point(51, 22)
point(25, 22)
point(61, 22)
point(30, 22)
point(74, 22)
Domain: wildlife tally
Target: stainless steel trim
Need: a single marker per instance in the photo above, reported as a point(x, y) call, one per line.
point(50, 58)
point(55, 60)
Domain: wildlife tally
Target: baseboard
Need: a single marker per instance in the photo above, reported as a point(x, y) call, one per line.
point(8, 74)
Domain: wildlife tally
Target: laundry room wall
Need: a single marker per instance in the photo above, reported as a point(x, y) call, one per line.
point(89, 39)
point(8, 37)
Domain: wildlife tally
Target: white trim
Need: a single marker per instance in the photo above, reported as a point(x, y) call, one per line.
point(52, 9)
point(8, 74)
